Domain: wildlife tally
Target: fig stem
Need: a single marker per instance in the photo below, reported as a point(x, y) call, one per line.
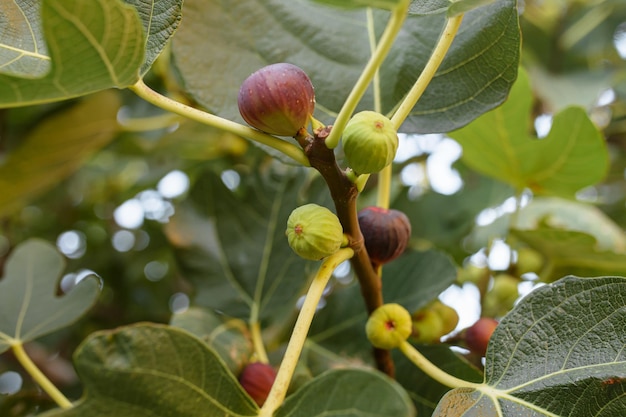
point(384, 187)
point(441, 49)
point(398, 15)
point(166, 103)
point(432, 370)
point(287, 367)
point(257, 342)
point(39, 377)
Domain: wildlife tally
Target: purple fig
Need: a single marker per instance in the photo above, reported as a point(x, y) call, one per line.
point(386, 233)
point(257, 379)
point(277, 99)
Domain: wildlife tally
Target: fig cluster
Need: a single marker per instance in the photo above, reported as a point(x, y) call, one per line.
point(386, 233)
point(277, 99)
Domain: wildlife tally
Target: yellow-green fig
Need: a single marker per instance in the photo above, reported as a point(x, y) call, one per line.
point(388, 326)
point(314, 232)
point(370, 142)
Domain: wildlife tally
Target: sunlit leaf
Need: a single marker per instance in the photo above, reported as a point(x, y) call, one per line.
point(154, 370)
point(214, 56)
point(56, 148)
point(93, 44)
point(498, 144)
point(349, 393)
point(23, 51)
point(29, 307)
point(560, 352)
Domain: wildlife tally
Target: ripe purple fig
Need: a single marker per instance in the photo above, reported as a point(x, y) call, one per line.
point(386, 233)
point(257, 379)
point(277, 99)
point(477, 336)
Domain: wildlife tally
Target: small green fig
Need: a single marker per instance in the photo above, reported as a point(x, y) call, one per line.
point(428, 326)
point(449, 316)
point(277, 99)
point(386, 233)
point(257, 379)
point(388, 326)
point(528, 260)
point(314, 232)
point(369, 142)
point(477, 336)
point(502, 295)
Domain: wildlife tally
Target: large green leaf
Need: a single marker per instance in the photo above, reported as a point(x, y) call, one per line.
point(29, 307)
point(412, 281)
point(93, 44)
point(232, 245)
point(498, 144)
point(23, 51)
point(571, 252)
point(220, 44)
point(56, 148)
point(154, 370)
point(560, 352)
point(381, 4)
point(349, 393)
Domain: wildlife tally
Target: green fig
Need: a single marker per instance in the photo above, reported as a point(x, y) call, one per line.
point(370, 142)
point(314, 232)
point(388, 326)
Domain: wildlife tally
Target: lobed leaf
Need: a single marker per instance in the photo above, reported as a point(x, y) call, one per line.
point(154, 370)
point(29, 307)
point(560, 352)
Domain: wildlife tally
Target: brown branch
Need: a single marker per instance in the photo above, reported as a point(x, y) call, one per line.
point(344, 194)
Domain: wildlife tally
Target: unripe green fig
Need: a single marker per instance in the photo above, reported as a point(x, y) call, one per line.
point(386, 233)
point(477, 336)
point(277, 99)
point(528, 260)
point(257, 379)
point(388, 326)
point(502, 295)
point(314, 232)
point(428, 326)
point(449, 316)
point(370, 142)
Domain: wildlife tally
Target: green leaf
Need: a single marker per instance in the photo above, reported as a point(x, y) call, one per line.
point(29, 307)
point(94, 45)
point(214, 56)
point(412, 281)
point(353, 4)
point(56, 148)
point(229, 338)
point(463, 6)
point(23, 51)
point(349, 393)
point(572, 156)
point(560, 352)
point(421, 7)
point(154, 370)
point(232, 245)
point(160, 20)
point(571, 252)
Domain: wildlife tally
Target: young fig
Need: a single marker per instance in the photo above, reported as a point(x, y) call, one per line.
point(257, 379)
point(386, 233)
point(477, 336)
point(369, 142)
point(277, 99)
point(388, 326)
point(314, 232)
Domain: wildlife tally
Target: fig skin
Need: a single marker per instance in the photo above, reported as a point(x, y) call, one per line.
point(277, 99)
point(477, 336)
point(314, 232)
point(370, 142)
point(257, 379)
point(388, 326)
point(386, 233)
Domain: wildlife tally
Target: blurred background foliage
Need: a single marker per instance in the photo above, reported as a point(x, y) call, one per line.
point(109, 203)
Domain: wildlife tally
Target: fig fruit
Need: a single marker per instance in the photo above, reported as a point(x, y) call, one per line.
point(314, 232)
point(257, 379)
point(528, 260)
point(477, 336)
point(388, 326)
point(277, 99)
point(386, 233)
point(502, 295)
point(449, 316)
point(369, 142)
point(428, 326)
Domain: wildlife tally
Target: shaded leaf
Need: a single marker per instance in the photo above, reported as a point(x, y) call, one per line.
point(412, 281)
point(572, 156)
point(571, 252)
point(463, 6)
point(160, 20)
point(351, 4)
point(29, 307)
point(349, 392)
point(94, 45)
point(229, 338)
point(214, 56)
point(560, 352)
point(56, 148)
point(23, 51)
point(232, 245)
point(154, 370)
